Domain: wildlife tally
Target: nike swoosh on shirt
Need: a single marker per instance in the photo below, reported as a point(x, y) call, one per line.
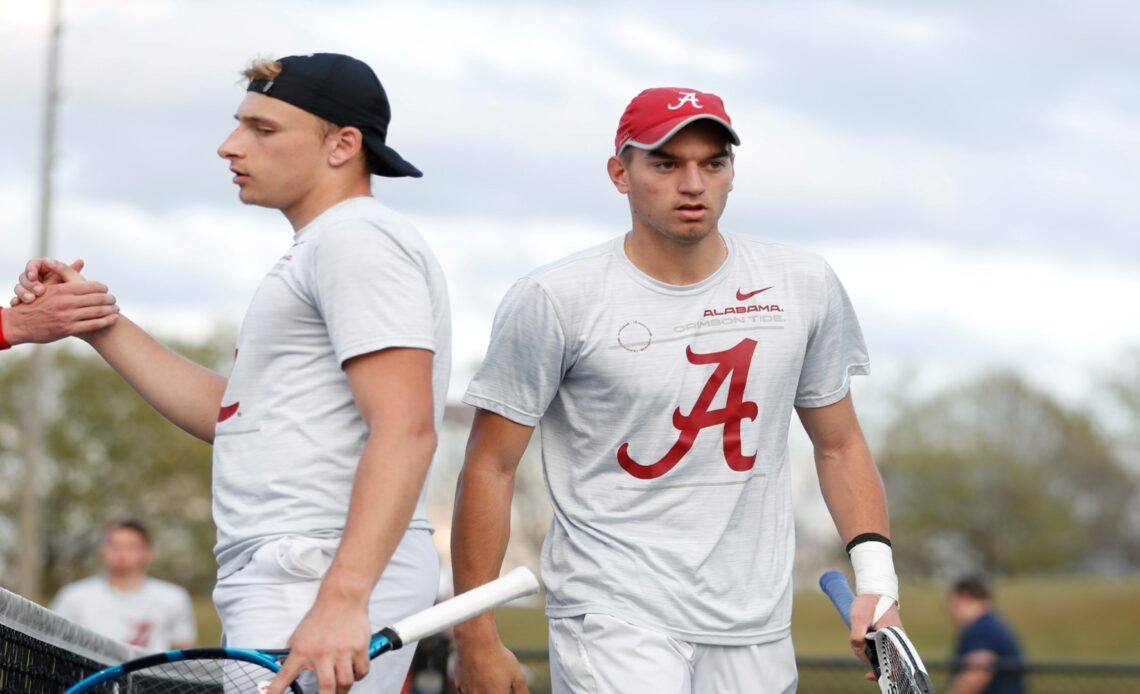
point(227, 411)
point(745, 296)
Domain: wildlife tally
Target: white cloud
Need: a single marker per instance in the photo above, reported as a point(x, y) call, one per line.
point(879, 25)
point(961, 311)
point(995, 146)
point(1102, 126)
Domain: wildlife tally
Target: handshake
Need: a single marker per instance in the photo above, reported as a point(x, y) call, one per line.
point(52, 301)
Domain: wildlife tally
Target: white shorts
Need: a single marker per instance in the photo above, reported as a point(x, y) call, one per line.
point(597, 654)
point(261, 603)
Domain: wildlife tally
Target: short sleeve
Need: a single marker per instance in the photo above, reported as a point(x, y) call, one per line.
point(835, 350)
point(980, 640)
point(64, 603)
point(371, 291)
point(987, 634)
point(526, 359)
point(183, 627)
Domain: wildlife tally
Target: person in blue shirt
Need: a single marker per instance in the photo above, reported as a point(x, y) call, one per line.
point(987, 654)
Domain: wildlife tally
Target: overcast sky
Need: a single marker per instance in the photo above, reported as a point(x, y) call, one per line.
point(971, 169)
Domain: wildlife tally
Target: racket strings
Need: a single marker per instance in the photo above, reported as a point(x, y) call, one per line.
point(193, 677)
point(898, 667)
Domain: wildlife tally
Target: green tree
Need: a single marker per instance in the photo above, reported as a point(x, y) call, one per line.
point(1123, 389)
point(997, 475)
point(1121, 407)
point(112, 457)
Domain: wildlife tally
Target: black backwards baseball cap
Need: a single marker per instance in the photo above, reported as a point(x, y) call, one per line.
point(344, 91)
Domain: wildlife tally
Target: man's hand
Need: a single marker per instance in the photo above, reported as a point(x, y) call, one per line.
point(488, 668)
point(332, 641)
point(862, 612)
point(55, 303)
point(40, 272)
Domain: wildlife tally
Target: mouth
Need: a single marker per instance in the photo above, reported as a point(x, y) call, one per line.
point(239, 176)
point(691, 212)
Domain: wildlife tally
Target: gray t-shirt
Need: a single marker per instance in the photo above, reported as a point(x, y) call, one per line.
point(358, 279)
point(155, 615)
point(665, 413)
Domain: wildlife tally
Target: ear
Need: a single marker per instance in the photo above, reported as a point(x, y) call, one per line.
point(347, 143)
point(619, 174)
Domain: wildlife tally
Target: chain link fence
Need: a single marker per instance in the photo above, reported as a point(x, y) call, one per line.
point(819, 675)
point(843, 675)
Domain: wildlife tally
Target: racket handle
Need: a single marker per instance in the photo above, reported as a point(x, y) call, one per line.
point(834, 585)
point(515, 584)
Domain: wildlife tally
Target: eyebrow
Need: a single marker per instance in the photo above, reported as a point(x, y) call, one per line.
point(256, 120)
point(662, 154)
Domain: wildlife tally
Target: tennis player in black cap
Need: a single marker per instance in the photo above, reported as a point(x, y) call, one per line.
point(324, 429)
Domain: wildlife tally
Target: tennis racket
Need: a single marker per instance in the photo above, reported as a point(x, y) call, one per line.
point(248, 671)
point(894, 658)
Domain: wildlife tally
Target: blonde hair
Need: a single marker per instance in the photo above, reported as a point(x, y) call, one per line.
point(262, 69)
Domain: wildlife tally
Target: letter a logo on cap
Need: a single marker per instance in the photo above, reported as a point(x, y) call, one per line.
point(686, 98)
point(656, 114)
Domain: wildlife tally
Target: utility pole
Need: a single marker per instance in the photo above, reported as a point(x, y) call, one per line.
point(31, 561)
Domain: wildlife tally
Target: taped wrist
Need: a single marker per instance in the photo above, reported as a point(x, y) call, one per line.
point(874, 566)
point(867, 537)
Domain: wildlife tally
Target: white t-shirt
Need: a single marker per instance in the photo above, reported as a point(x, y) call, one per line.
point(154, 616)
point(665, 413)
point(357, 279)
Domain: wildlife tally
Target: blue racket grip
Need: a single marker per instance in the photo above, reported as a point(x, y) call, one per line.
point(383, 641)
point(834, 585)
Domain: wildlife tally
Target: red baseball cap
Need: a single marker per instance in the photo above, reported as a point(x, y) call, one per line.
point(657, 114)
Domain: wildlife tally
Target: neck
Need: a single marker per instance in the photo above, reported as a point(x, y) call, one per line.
point(974, 612)
point(126, 581)
point(310, 206)
point(672, 262)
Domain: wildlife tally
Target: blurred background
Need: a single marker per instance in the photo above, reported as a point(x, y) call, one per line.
point(971, 170)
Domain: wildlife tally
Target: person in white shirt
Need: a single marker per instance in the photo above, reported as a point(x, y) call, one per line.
point(325, 428)
point(663, 367)
point(126, 603)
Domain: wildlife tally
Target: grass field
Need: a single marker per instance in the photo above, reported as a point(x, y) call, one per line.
point(1056, 619)
point(1068, 619)
point(1081, 620)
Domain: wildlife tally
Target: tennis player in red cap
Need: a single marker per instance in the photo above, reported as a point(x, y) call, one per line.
point(324, 430)
point(664, 366)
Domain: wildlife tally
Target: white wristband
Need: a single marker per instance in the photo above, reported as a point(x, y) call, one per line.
point(874, 566)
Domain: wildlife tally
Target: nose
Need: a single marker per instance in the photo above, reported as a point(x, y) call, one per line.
point(691, 181)
point(228, 149)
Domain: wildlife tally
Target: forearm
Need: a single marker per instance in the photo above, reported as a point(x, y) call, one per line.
point(387, 486)
point(184, 392)
point(853, 490)
point(976, 674)
point(481, 529)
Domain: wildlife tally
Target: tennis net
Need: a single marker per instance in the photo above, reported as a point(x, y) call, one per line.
point(43, 653)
